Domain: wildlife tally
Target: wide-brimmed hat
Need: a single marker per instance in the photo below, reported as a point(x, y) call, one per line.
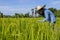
point(40, 7)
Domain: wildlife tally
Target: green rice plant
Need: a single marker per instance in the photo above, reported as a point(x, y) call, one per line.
point(28, 29)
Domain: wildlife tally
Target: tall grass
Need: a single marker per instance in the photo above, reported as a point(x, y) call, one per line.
point(28, 29)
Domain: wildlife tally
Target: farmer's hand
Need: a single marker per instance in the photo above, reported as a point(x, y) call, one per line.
point(40, 20)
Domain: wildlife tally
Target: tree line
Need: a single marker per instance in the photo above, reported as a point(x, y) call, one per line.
point(21, 15)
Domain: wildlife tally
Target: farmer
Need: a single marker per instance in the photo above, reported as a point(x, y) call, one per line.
point(47, 14)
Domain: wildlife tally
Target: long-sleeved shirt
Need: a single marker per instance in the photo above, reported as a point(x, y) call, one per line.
point(49, 16)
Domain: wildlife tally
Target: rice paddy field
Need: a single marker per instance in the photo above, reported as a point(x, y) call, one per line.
point(28, 29)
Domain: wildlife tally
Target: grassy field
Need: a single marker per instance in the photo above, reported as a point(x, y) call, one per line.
point(28, 29)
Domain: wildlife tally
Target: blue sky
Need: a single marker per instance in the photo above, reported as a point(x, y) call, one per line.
point(9, 7)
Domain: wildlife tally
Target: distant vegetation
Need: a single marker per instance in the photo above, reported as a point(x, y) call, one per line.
point(20, 15)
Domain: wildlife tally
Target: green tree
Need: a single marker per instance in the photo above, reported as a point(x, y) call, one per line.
point(57, 13)
point(18, 15)
point(1, 14)
point(27, 15)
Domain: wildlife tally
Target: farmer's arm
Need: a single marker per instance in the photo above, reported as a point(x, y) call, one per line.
point(46, 16)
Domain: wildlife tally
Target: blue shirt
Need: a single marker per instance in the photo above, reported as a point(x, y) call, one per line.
point(49, 16)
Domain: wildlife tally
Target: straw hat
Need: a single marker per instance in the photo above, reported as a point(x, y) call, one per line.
point(39, 7)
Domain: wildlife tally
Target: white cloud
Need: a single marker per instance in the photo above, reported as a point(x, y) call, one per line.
point(8, 10)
